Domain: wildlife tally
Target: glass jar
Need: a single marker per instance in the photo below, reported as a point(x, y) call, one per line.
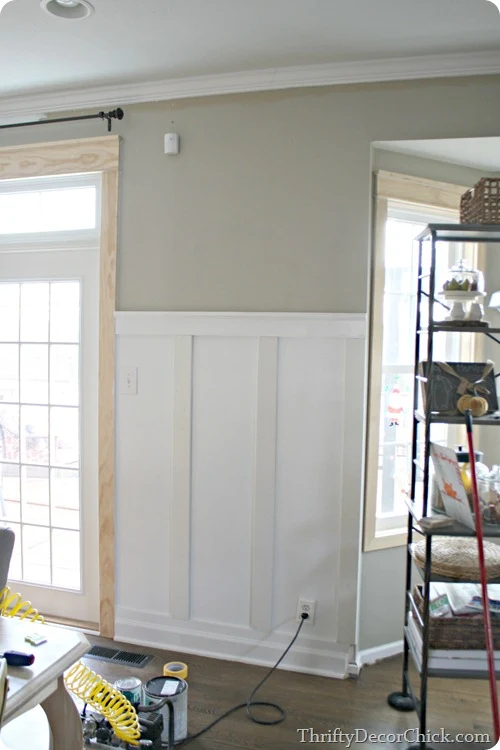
point(463, 278)
point(489, 497)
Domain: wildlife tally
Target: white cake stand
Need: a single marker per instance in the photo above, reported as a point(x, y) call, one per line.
point(466, 306)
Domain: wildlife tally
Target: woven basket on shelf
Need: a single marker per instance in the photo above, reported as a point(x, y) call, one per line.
point(481, 204)
point(459, 632)
point(457, 558)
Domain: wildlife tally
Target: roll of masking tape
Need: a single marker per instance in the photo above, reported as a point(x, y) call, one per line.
point(175, 669)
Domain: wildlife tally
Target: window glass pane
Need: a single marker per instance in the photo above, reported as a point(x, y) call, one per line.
point(400, 257)
point(36, 554)
point(16, 567)
point(35, 495)
point(35, 435)
point(398, 321)
point(9, 432)
point(10, 492)
point(70, 208)
point(394, 442)
point(9, 312)
point(65, 498)
point(18, 212)
point(34, 374)
point(9, 372)
point(48, 210)
point(66, 559)
point(64, 437)
point(64, 378)
point(35, 312)
point(65, 311)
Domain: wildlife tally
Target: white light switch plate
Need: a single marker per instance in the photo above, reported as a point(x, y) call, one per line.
point(127, 384)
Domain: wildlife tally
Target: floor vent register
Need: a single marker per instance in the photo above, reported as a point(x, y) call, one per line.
point(127, 658)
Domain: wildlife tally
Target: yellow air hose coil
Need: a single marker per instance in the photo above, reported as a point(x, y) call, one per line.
point(106, 699)
point(87, 685)
point(12, 605)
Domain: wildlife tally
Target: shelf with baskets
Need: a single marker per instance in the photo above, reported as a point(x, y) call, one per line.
point(448, 638)
point(422, 639)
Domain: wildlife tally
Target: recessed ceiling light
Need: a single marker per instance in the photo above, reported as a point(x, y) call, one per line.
point(3, 3)
point(72, 9)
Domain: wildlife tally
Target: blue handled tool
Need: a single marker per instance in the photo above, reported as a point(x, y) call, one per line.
point(18, 658)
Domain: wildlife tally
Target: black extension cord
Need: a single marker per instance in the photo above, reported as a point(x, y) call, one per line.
point(250, 703)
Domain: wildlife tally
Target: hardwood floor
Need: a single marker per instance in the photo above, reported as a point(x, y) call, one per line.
point(317, 703)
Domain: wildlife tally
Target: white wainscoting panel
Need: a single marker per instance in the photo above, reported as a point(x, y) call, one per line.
point(144, 440)
point(309, 477)
point(239, 484)
point(224, 378)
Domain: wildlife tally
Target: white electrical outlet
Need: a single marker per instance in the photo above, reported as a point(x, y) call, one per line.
point(308, 607)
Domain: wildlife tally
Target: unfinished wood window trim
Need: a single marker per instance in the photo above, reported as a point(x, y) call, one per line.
point(78, 157)
point(418, 190)
point(389, 186)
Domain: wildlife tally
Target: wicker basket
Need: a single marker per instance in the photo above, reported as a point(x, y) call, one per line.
point(465, 632)
point(481, 204)
point(456, 558)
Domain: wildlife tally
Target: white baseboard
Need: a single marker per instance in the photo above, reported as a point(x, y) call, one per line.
point(377, 653)
point(312, 656)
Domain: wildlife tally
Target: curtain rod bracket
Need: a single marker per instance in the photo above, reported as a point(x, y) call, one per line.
point(114, 114)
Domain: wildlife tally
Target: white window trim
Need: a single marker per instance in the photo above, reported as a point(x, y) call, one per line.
point(430, 196)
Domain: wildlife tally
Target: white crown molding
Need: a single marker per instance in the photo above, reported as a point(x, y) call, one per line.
point(22, 107)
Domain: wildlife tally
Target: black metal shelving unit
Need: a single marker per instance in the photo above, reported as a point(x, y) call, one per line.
point(406, 699)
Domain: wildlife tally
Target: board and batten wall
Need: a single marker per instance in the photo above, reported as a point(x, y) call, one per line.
point(239, 483)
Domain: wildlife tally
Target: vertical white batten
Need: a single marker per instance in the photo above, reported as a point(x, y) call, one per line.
point(180, 511)
point(264, 490)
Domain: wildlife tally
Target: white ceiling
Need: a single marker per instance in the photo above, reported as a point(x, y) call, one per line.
point(134, 41)
point(478, 153)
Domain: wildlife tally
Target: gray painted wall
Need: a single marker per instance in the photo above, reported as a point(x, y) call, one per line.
point(381, 604)
point(267, 208)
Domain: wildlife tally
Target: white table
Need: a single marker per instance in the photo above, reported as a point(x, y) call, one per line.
point(43, 683)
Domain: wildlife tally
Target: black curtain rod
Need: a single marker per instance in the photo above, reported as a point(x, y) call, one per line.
point(114, 114)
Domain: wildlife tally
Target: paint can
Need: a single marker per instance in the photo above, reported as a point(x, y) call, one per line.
point(176, 689)
point(130, 687)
